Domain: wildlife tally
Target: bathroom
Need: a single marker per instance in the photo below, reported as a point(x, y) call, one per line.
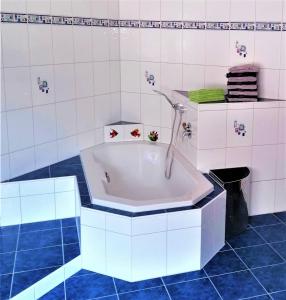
point(108, 160)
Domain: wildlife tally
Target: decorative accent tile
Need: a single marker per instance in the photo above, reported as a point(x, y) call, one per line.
point(82, 21)
point(113, 23)
point(217, 25)
point(267, 26)
point(283, 26)
point(172, 24)
point(129, 23)
point(60, 20)
point(150, 24)
point(100, 22)
point(241, 49)
point(242, 26)
point(14, 18)
point(39, 19)
point(194, 25)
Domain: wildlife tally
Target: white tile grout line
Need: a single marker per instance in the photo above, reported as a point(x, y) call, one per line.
point(63, 253)
point(115, 288)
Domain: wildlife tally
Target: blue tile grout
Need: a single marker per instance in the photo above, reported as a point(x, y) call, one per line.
point(115, 287)
point(13, 272)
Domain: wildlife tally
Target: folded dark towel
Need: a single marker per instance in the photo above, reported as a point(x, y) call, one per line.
point(242, 79)
point(242, 74)
point(242, 93)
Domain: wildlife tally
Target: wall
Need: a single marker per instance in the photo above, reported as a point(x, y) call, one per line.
point(81, 66)
point(182, 58)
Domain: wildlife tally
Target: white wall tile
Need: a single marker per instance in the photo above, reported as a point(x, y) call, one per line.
point(238, 13)
point(194, 10)
point(82, 36)
point(85, 114)
point(211, 159)
point(38, 208)
point(150, 10)
point(171, 76)
point(194, 47)
point(114, 76)
point(282, 125)
point(100, 8)
point(269, 10)
point(114, 44)
point(149, 224)
point(20, 129)
point(118, 255)
point(101, 77)
point(44, 123)
point(265, 126)
point(130, 107)
point(150, 44)
point(282, 87)
point(10, 211)
point(268, 83)
point(40, 39)
point(280, 200)
point(45, 73)
point(217, 10)
point(63, 49)
point(129, 8)
point(262, 197)
point(117, 223)
point(13, 5)
point(61, 8)
point(215, 77)
point(171, 10)
point(183, 253)
point(17, 88)
point(46, 154)
point(92, 218)
point(64, 82)
point(85, 139)
point(84, 80)
point(102, 110)
point(263, 164)
point(100, 49)
point(281, 161)
point(130, 76)
point(9, 190)
point(193, 77)
point(150, 77)
point(150, 106)
point(93, 249)
point(149, 256)
point(63, 184)
point(171, 46)
point(238, 157)
point(38, 6)
point(210, 136)
point(15, 45)
point(81, 8)
point(129, 36)
point(37, 187)
point(66, 118)
point(115, 107)
point(67, 147)
point(184, 219)
point(4, 134)
point(65, 205)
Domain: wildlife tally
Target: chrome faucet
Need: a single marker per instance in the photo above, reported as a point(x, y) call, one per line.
point(177, 106)
point(187, 130)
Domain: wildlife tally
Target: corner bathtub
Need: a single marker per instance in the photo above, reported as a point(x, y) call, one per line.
point(130, 176)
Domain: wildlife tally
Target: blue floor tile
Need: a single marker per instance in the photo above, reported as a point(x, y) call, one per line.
point(75, 160)
point(5, 285)
point(83, 189)
point(258, 256)
point(281, 216)
point(37, 174)
point(225, 247)
point(7, 263)
point(224, 262)
point(23, 280)
point(53, 224)
point(71, 251)
point(273, 278)
point(158, 293)
point(40, 239)
point(184, 277)
point(68, 222)
point(273, 233)
point(125, 286)
point(58, 293)
point(261, 220)
point(7, 230)
point(279, 296)
point(263, 297)
point(200, 289)
point(70, 235)
point(237, 285)
point(39, 258)
point(89, 287)
point(245, 239)
point(8, 243)
point(280, 247)
point(68, 170)
point(82, 272)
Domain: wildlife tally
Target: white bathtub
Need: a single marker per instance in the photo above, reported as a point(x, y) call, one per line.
point(137, 181)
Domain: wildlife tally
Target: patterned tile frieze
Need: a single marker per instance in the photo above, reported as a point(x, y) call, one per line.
point(7, 17)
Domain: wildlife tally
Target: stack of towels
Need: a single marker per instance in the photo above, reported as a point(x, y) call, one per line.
point(206, 95)
point(242, 83)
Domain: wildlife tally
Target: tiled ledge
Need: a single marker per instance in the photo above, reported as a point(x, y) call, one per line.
point(10, 17)
point(73, 167)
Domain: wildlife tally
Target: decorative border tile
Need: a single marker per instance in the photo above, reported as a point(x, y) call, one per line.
point(268, 26)
point(150, 24)
point(217, 25)
point(171, 25)
point(242, 26)
point(198, 25)
point(194, 25)
point(129, 23)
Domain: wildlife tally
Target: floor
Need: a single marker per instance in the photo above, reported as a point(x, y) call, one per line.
point(250, 266)
point(29, 252)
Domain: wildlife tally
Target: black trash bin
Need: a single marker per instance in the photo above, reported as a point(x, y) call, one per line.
point(236, 206)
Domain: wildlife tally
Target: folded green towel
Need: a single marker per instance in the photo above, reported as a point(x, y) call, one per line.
point(206, 95)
